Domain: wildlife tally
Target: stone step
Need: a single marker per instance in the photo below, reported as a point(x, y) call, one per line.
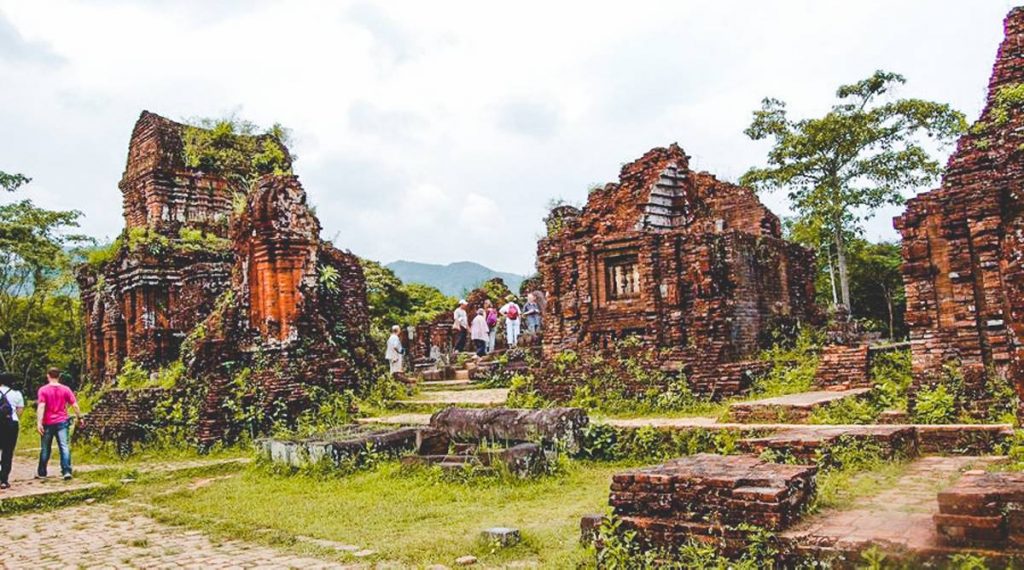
point(794, 408)
point(445, 385)
point(477, 397)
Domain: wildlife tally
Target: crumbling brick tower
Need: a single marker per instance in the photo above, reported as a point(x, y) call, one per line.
point(140, 304)
point(228, 276)
point(679, 259)
point(295, 320)
point(963, 245)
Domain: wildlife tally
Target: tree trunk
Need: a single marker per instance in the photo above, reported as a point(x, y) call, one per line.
point(844, 278)
point(832, 276)
point(888, 304)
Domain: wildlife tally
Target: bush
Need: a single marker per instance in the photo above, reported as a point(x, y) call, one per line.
point(192, 239)
point(794, 364)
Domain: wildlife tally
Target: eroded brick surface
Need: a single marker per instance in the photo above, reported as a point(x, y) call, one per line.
point(983, 509)
point(705, 496)
point(263, 293)
point(679, 259)
point(963, 245)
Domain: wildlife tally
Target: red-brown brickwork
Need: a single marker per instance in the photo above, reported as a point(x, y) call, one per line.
point(963, 244)
point(705, 497)
point(680, 259)
point(983, 509)
point(842, 367)
point(259, 292)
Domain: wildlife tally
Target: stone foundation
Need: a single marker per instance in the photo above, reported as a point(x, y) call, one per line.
point(705, 497)
point(983, 510)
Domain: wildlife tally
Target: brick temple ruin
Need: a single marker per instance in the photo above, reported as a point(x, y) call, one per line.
point(963, 245)
point(679, 259)
point(230, 277)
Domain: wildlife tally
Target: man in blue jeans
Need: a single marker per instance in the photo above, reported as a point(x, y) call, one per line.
point(54, 399)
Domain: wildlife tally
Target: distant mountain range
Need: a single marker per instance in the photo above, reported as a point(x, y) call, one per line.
point(453, 279)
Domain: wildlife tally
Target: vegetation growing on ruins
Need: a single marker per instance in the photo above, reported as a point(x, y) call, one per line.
point(859, 156)
point(237, 149)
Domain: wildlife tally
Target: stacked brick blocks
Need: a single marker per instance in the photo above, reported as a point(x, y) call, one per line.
point(983, 510)
point(707, 497)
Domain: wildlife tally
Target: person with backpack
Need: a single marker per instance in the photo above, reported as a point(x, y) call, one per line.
point(52, 421)
point(12, 402)
point(512, 312)
point(491, 319)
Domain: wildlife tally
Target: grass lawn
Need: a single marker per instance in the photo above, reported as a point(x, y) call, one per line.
point(412, 516)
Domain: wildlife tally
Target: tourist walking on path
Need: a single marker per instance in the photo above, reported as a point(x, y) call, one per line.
point(461, 326)
point(491, 316)
point(531, 312)
point(393, 353)
point(479, 332)
point(512, 312)
point(53, 422)
point(12, 402)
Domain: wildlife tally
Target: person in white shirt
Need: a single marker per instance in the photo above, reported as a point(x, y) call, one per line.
point(479, 332)
point(13, 405)
point(461, 326)
point(512, 314)
point(394, 351)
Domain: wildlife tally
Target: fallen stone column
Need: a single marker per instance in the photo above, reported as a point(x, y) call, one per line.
point(552, 426)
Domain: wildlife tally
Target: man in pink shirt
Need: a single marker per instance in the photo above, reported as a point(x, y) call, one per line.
point(54, 399)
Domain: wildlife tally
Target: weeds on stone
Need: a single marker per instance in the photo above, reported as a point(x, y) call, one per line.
point(620, 549)
point(649, 444)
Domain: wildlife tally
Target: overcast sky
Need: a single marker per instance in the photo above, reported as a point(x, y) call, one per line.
point(438, 131)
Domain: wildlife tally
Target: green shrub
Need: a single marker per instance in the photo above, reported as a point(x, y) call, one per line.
point(892, 375)
point(935, 405)
point(794, 365)
point(134, 377)
point(236, 149)
point(100, 256)
point(193, 239)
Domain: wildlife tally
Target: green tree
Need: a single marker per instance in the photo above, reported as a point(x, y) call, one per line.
point(876, 285)
point(860, 155)
point(426, 303)
point(12, 182)
point(39, 320)
point(388, 301)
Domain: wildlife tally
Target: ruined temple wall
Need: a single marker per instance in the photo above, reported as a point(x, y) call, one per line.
point(961, 246)
point(160, 192)
point(708, 299)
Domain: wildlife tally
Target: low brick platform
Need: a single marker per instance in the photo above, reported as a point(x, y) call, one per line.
point(793, 408)
point(705, 496)
point(843, 367)
point(811, 444)
point(983, 510)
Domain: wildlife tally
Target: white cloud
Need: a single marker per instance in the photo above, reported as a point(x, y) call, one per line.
point(438, 131)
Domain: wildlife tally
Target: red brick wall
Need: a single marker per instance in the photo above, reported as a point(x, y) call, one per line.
point(962, 244)
point(715, 277)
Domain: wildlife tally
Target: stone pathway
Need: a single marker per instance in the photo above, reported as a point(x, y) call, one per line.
point(23, 483)
point(398, 419)
point(98, 536)
point(481, 397)
point(900, 516)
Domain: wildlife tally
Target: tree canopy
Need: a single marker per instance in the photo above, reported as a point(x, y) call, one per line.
point(862, 154)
